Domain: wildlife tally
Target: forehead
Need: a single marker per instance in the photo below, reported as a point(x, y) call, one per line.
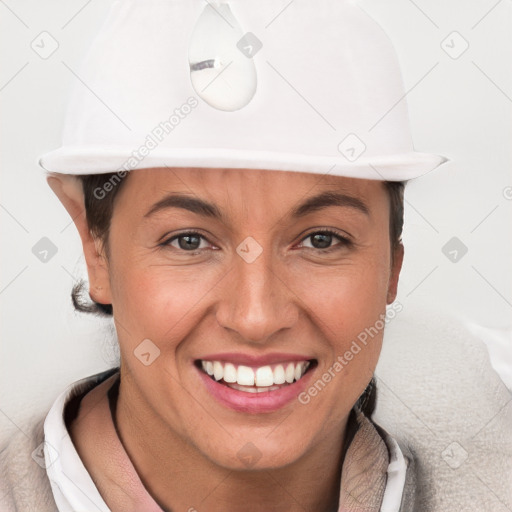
point(248, 183)
point(243, 197)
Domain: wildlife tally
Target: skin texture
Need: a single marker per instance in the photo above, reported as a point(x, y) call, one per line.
point(294, 297)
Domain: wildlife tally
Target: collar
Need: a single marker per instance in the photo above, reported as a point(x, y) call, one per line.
point(373, 472)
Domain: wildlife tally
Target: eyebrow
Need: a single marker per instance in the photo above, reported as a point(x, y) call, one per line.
point(326, 199)
point(185, 202)
point(312, 204)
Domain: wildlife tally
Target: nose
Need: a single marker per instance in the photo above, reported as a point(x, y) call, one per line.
point(256, 301)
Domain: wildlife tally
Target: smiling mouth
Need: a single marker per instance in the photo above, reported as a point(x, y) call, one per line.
point(256, 379)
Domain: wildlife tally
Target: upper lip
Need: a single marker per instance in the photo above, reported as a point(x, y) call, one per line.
point(254, 360)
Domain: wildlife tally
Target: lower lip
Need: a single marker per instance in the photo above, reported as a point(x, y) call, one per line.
point(266, 401)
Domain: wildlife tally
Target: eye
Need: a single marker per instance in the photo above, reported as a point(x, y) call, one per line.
point(189, 241)
point(322, 240)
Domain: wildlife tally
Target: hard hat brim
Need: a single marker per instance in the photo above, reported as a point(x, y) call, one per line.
point(77, 160)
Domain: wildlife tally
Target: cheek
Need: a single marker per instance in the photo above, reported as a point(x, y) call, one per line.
point(348, 305)
point(159, 302)
point(349, 297)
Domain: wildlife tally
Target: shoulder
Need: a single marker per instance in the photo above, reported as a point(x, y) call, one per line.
point(440, 398)
point(24, 483)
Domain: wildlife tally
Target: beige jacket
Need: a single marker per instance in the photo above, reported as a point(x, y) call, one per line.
point(25, 485)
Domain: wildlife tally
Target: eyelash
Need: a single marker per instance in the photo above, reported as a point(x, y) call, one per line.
point(344, 241)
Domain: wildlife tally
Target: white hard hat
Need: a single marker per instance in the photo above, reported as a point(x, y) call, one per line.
point(305, 86)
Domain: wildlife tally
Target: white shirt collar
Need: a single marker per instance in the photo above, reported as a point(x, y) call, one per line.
point(72, 486)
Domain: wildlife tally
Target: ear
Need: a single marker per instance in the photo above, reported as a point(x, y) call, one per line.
point(395, 273)
point(69, 190)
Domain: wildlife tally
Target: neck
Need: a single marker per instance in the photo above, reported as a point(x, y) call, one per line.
point(179, 477)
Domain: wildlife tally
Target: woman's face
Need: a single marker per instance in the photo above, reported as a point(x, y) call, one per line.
point(249, 286)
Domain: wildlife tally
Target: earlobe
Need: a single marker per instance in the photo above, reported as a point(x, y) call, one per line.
point(69, 190)
point(395, 273)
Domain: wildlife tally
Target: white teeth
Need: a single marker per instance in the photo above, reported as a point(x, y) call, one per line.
point(245, 376)
point(253, 389)
point(279, 376)
point(290, 373)
point(218, 370)
point(264, 376)
point(230, 373)
point(298, 371)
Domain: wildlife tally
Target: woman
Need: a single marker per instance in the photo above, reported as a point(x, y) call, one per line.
point(242, 243)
